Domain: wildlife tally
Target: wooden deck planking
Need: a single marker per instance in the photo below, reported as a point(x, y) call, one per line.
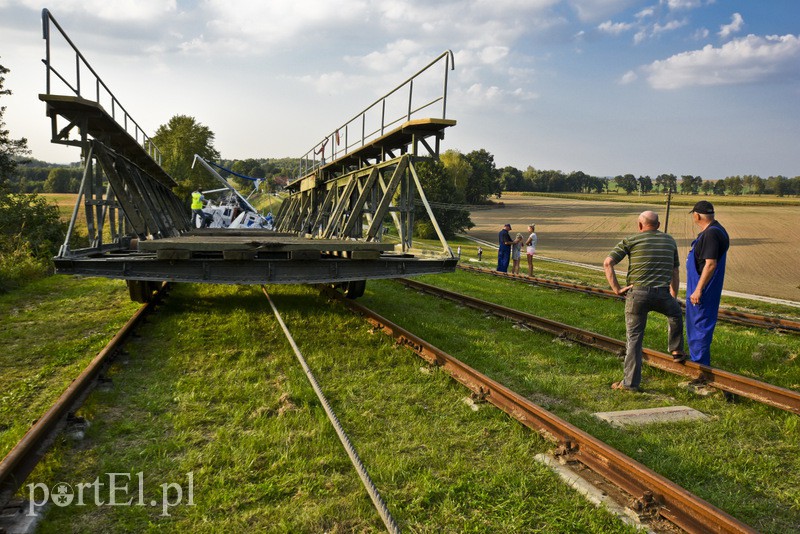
point(261, 242)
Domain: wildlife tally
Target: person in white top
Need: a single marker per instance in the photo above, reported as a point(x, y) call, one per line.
point(530, 243)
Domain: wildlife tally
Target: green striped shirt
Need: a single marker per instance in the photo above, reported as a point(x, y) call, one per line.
point(652, 255)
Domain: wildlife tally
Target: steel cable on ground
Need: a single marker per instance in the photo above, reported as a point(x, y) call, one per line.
point(383, 510)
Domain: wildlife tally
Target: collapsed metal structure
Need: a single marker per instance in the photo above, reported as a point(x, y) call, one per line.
point(333, 227)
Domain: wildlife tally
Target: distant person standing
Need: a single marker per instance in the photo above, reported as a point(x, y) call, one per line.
point(480, 254)
point(516, 253)
point(653, 279)
point(504, 252)
point(705, 271)
point(530, 245)
point(197, 208)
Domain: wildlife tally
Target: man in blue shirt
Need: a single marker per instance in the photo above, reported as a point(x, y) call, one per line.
point(504, 252)
point(705, 272)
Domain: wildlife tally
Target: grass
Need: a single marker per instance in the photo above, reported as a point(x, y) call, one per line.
point(212, 388)
point(732, 460)
point(51, 329)
point(564, 272)
point(750, 351)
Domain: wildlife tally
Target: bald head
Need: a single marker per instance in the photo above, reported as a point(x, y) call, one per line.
point(648, 220)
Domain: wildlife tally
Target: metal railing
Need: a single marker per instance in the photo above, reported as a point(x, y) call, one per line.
point(356, 132)
point(97, 87)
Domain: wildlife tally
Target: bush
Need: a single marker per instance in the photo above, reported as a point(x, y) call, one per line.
point(30, 232)
point(18, 265)
point(424, 230)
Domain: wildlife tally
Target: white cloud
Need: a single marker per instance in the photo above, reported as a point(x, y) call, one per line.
point(668, 27)
point(614, 28)
point(656, 29)
point(646, 12)
point(595, 10)
point(479, 95)
point(676, 5)
point(493, 54)
point(736, 24)
point(116, 10)
point(628, 77)
point(746, 60)
point(701, 33)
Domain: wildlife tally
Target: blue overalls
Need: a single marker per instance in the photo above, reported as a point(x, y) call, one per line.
point(702, 318)
point(503, 253)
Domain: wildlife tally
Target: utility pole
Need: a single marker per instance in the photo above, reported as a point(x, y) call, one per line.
point(669, 200)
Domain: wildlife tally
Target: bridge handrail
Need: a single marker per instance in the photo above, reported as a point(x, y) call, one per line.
point(146, 142)
point(320, 153)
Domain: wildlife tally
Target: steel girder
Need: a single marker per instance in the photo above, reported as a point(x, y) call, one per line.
point(120, 196)
point(359, 204)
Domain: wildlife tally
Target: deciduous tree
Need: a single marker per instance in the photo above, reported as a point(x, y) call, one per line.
point(484, 180)
point(9, 148)
point(440, 191)
point(179, 140)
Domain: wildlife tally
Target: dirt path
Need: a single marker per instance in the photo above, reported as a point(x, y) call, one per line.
point(764, 258)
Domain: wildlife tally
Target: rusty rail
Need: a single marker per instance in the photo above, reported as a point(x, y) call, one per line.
point(747, 319)
point(785, 399)
point(653, 493)
point(21, 460)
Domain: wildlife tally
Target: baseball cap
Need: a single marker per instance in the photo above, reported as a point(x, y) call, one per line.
point(509, 226)
point(704, 207)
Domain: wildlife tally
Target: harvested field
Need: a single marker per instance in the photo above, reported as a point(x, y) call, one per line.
point(763, 259)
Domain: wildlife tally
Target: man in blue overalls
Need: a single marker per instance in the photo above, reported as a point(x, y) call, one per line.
point(705, 271)
point(504, 252)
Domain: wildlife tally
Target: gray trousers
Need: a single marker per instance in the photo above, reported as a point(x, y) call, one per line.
point(638, 303)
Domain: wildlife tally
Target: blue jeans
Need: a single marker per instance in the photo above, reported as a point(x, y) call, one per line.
point(638, 303)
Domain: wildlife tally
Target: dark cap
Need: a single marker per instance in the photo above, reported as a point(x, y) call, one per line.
point(506, 224)
point(704, 207)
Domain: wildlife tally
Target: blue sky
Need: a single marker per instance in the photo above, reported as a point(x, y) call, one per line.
point(701, 87)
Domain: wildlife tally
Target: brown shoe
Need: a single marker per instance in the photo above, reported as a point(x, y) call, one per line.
point(621, 386)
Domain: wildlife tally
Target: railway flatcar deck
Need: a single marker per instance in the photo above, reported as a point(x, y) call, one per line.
point(253, 259)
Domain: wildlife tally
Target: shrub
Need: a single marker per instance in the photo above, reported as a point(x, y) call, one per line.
point(18, 264)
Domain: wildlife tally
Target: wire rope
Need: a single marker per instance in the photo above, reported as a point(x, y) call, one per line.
point(380, 505)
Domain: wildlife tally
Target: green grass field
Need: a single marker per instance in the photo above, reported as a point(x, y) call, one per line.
point(210, 387)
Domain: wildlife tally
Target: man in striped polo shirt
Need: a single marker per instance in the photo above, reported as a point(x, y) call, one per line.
point(652, 285)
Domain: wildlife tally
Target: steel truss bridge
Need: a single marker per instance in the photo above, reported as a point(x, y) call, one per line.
point(354, 186)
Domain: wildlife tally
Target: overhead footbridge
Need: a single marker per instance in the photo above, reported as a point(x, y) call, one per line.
point(349, 215)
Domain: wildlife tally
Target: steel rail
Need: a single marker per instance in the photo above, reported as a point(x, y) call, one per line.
point(747, 319)
point(653, 493)
point(778, 397)
point(21, 460)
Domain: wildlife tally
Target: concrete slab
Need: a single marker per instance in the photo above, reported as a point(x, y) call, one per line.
point(666, 414)
point(593, 494)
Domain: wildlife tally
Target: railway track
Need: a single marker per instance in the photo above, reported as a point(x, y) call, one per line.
point(653, 495)
point(785, 399)
point(731, 316)
point(21, 460)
